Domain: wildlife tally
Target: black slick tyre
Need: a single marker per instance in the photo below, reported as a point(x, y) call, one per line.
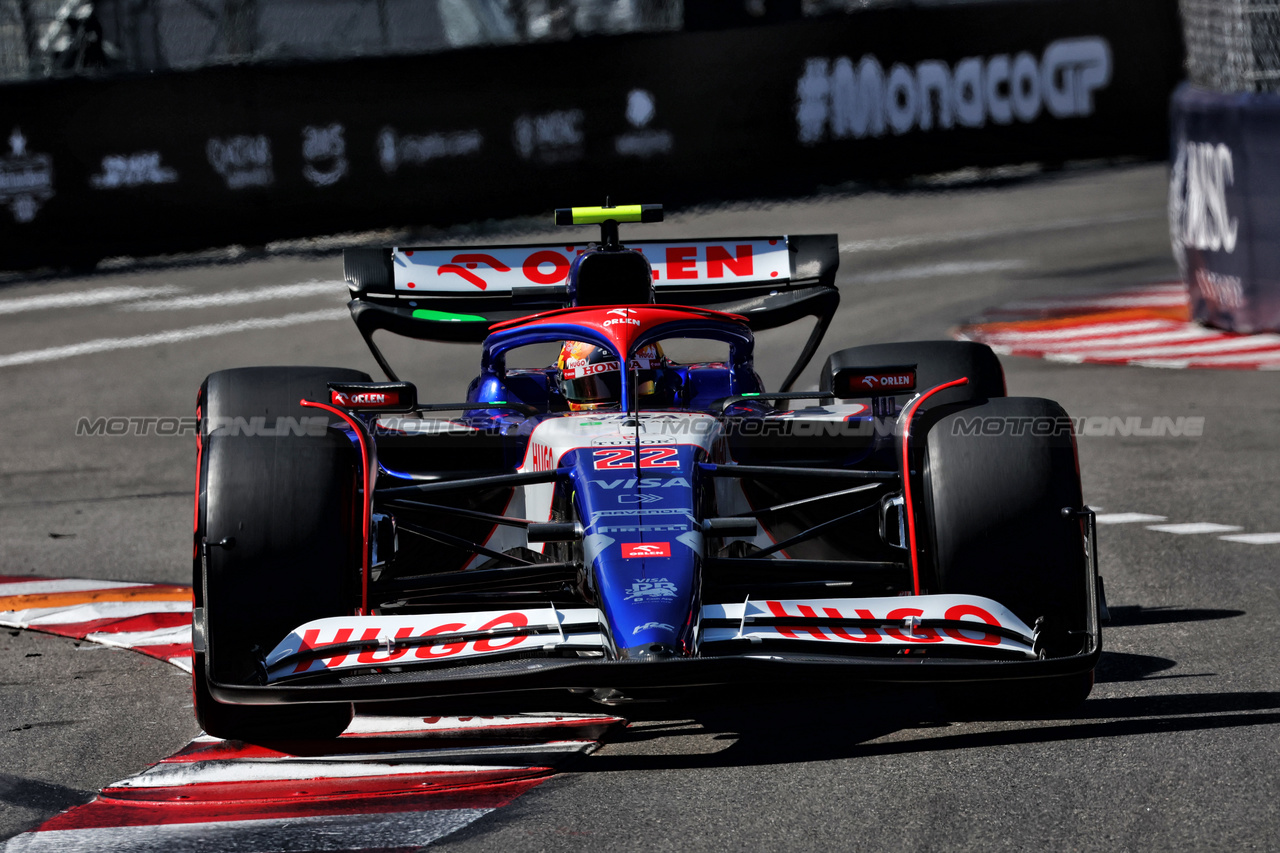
point(996, 479)
point(280, 497)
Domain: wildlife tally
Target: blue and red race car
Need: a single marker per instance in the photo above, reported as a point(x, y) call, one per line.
point(620, 525)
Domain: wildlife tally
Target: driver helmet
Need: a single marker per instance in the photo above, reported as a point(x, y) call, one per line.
point(591, 378)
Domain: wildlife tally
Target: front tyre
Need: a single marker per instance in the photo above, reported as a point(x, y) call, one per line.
point(997, 477)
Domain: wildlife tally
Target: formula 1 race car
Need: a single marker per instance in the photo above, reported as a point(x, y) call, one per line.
point(620, 525)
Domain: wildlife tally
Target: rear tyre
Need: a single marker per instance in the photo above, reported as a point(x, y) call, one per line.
point(993, 501)
point(285, 507)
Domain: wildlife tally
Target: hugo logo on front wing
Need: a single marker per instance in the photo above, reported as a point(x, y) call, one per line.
point(316, 639)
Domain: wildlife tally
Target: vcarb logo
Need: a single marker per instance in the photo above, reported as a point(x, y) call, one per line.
point(1198, 215)
point(844, 101)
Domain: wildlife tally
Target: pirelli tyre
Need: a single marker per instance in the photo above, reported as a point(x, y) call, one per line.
point(276, 538)
point(936, 362)
point(996, 479)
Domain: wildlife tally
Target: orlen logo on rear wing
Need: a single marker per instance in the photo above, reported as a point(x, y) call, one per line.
point(498, 270)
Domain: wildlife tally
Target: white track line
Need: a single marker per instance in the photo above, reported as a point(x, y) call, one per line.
point(886, 243)
point(1254, 538)
point(934, 271)
point(243, 297)
point(86, 297)
point(1127, 517)
point(173, 336)
point(1194, 527)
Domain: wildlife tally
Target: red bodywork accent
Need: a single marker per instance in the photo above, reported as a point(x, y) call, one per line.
point(906, 476)
point(366, 467)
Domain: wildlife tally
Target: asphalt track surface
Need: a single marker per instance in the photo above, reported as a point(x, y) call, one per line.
point(1175, 749)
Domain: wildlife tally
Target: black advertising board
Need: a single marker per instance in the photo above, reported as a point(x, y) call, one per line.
point(248, 154)
point(1224, 206)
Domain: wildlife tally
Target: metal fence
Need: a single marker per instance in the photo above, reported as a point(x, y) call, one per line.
point(52, 37)
point(1233, 45)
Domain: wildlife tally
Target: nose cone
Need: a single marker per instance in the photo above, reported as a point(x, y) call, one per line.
point(644, 546)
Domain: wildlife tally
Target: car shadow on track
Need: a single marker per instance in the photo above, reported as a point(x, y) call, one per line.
point(1132, 615)
point(901, 722)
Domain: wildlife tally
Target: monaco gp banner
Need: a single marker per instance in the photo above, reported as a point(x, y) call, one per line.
point(1224, 206)
point(248, 154)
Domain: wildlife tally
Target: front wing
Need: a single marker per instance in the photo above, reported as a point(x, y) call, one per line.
point(928, 638)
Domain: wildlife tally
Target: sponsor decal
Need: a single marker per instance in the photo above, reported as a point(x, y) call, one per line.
point(395, 151)
point(462, 264)
point(549, 138)
point(634, 550)
point(858, 383)
point(132, 170)
point(644, 528)
point(652, 626)
point(909, 632)
point(642, 140)
point(1225, 291)
point(640, 498)
point(614, 458)
point(365, 398)
point(631, 513)
point(1198, 214)
point(588, 369)
point(242, 161)
point(624, 317)
point(325, 151)
point(541, 458)
point(26, 179)
point(512, 267)
point(317, 638)
point(840, 100)
point(651, 589)
point(643, 482)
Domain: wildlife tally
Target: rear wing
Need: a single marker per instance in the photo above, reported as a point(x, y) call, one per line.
point(456, 293)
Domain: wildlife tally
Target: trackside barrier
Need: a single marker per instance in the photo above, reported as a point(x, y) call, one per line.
point(182, 161)
point(1224, 206)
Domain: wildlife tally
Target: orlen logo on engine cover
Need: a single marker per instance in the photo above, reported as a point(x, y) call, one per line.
point(367, 398)
point(632, 550)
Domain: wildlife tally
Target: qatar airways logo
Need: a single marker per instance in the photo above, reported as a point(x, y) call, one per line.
point(842, 99)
